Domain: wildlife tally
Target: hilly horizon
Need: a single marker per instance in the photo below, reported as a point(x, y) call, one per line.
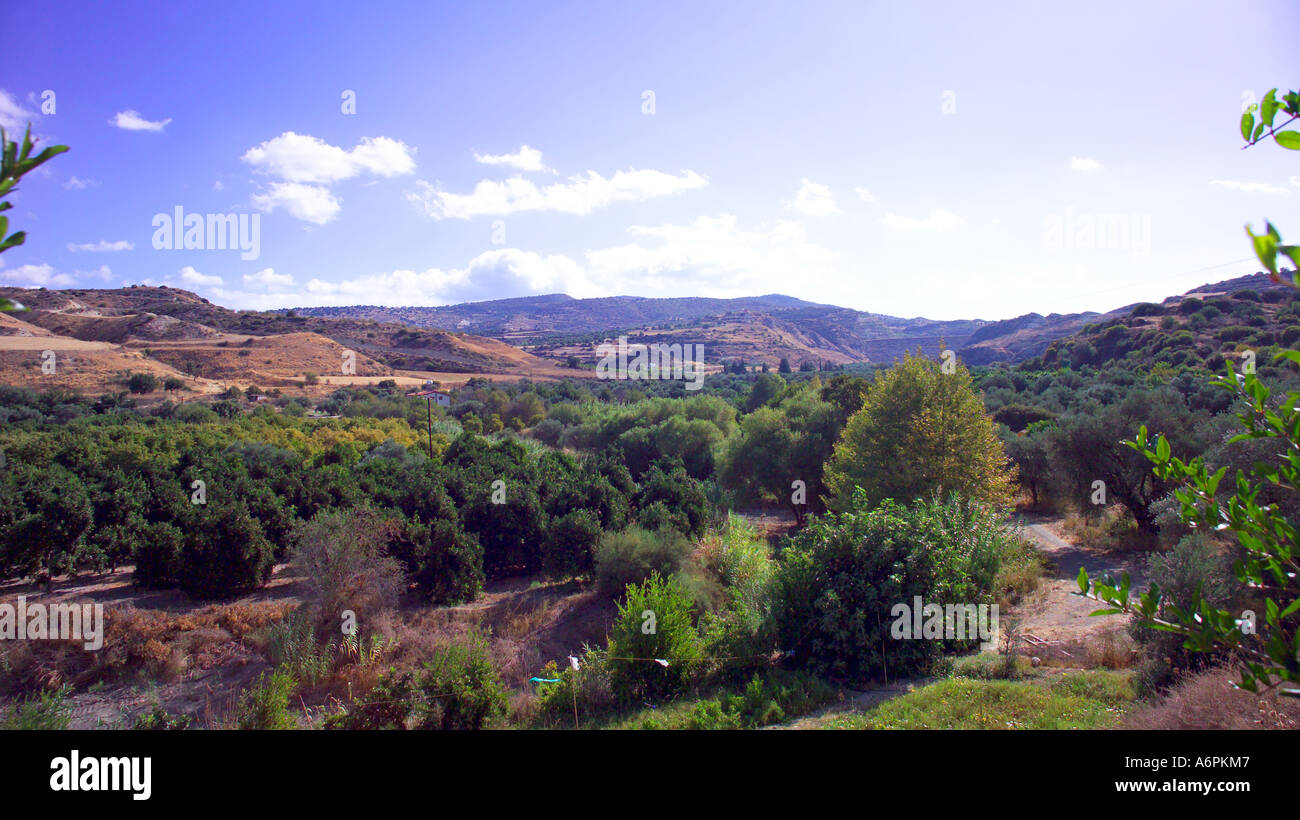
point(179, 335)
point(764, 328)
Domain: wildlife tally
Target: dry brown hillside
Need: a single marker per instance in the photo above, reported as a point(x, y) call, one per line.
point(137, 314)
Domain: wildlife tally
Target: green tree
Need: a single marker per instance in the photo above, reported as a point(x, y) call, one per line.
point(767, 388)
point(142, 383)
point(1089, 448)
point(777, 447)
point(44, 514)
point(1032, 454)
point(920, 431)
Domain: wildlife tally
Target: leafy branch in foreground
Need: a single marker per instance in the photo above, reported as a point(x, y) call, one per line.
point(13, 166)
point(1270, 650)
point(1252, 132)
point(1269, 244)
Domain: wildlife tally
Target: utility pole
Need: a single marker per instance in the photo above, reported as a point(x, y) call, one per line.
point(429, 407)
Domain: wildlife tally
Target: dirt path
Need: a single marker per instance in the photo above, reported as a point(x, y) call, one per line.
point(1056, 622)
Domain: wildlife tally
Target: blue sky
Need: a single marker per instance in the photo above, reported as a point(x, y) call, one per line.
point(948, 160)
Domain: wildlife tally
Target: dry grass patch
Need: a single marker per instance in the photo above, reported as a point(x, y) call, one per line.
point(1208, 700)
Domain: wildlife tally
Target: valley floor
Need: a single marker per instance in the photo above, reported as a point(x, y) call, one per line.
point(194, 660)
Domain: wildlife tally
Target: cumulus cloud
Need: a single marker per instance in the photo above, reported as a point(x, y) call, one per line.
point(525, 159)
point(674, 260)
point(662, 260)
point(813, 199)
point(268, 278)
point(495, 274)
point(1250, 187)
point(132, 121)
point(304, 158)
point(310, 203)
point(36, 276)
point(306, 165)
point(78, 184)
point(1084, 164)
point(937, 220)
point(13, 117)
point(102, 246)
point(579, 195)
point(190, 276)
point(864, 195)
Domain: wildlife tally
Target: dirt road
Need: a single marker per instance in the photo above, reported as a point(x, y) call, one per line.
point(1058, 622)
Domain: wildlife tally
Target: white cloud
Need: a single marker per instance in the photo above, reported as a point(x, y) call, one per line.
point(79, 184)
point(13, 117)
point(308, 164)
point(525, 159)
point(1084, 164)
point(864, 195)
point(190, 276)
point(663, 260)
point(218, 186)
point(813, 199)
point(580, 195)
point(310, 203)
point(495, 274)
point(938, 220)
point(268, 278)
point(713, 252)
point(37, 276)
point(304, 158)
point(1250, 187)
point(102, 246)
point(132, 121)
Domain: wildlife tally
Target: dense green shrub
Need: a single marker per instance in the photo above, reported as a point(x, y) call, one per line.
point(841, 577)
point(158, 555)
point(444, 561)
point(266, 704)
point(1195, 563)
point(224, 552)
point(653, 623)
point(387, 705)
point(572, 543)
point(142, 383)
point(460, 687)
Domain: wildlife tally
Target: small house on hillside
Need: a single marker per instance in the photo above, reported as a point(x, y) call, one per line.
point(436, 396)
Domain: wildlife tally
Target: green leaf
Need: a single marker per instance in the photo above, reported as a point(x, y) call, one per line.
point(1292, 252)
point(1083, 578)
point(1268, 108)
point(1265, 249)
point(1288, 139)
point(1247, 123)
